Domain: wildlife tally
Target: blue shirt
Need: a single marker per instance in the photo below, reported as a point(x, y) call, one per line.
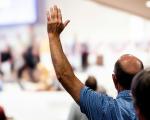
point(97, 106)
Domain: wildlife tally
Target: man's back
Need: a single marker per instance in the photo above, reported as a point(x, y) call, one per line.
point(102, 107)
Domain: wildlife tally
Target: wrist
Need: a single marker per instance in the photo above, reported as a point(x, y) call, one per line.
point(53, 35)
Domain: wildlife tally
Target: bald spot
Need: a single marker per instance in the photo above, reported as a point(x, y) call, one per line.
point(130, 64)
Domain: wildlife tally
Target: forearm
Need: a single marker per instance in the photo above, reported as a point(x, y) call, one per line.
point(63, 68)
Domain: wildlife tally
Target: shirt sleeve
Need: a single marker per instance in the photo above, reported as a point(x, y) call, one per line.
point(93, 103)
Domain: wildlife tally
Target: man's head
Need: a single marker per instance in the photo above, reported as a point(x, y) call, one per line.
point(126, 67)
point(141, 94)
point(91, 83)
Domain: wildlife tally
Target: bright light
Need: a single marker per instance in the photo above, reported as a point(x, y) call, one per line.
point(147, 4)
point(4, 3)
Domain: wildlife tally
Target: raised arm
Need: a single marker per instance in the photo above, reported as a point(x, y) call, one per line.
point(62, 66)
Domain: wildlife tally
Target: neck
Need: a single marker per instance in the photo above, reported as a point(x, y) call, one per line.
point(120, 88)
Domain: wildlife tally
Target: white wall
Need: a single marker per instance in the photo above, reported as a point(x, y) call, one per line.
point(98, 24)
point(89, 19)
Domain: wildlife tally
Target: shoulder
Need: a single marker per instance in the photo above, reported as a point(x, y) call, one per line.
point(96, 105)
point(87, 92)
point(88, 97)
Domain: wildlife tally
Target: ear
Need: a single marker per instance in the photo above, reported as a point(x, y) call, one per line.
point(115, 80)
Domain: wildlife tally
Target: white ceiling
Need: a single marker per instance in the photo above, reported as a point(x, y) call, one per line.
point(136, 7)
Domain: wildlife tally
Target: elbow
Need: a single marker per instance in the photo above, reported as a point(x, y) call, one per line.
point(64, 74)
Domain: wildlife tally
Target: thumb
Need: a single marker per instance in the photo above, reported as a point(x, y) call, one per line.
point(66, 23)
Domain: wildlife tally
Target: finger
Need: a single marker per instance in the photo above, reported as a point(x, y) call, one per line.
point(48, 16)
point(52, 16)
point(59, 16)
point(56, 10)
point(55, 13)
point(66, 23)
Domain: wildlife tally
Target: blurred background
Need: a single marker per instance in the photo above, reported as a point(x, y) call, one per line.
point(99, 32)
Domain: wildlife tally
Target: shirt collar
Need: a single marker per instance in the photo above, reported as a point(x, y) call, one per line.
point(124, 94)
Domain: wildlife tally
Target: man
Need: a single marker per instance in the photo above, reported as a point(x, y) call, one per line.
point(91, 82)
point(96, 106)
point(141, 94)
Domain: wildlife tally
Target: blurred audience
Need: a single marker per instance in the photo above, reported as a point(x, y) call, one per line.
point(1, 81)
point(33, 75)
point(7, 62)
point(25, 69)
point(98, 69)
point(31, 59)
point(84, 56)
point(6, 55)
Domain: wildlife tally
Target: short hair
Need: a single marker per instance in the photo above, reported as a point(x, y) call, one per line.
point(124, 78)
point(91, 83)
point(141, 92)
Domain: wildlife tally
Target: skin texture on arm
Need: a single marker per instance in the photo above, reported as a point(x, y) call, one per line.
point(62, 66)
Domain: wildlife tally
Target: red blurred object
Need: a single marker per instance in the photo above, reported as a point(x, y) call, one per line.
point(2, 114)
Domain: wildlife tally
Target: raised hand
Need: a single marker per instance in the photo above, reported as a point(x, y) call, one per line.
point(61, 64)
point(55, 24)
